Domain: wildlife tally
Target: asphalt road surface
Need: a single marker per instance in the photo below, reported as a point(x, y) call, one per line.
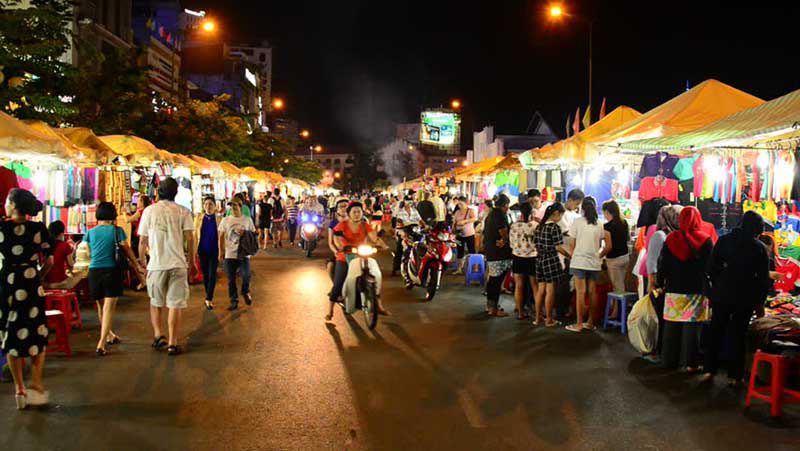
point(276, 376)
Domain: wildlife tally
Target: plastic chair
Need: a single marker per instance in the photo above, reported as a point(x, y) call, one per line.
point(775, 394)
point(67, 302)
point(57, 321)
point(622, 322)
point(476, 269)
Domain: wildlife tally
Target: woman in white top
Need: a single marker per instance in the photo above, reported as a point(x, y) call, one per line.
point(523, 251)
point(587, 257)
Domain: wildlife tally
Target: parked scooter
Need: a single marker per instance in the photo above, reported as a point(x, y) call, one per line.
point(310, 229)
point(426, 256)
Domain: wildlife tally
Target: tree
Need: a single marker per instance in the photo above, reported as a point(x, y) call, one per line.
point(277, 155)
point(35, 81)
point(112, 95)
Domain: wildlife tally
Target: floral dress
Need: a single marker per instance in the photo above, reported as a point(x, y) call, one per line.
point(548, 265)
point(23, 328)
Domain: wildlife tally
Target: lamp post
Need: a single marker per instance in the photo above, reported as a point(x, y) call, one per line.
point(556, 12)
point(312, 149)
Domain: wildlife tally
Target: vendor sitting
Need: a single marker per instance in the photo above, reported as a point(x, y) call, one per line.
point(60, 276)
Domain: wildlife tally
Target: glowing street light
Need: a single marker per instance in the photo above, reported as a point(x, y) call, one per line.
point(410, 147)
point(305, 133)
point(286, 160)
point(208, 26)
point(465, 163)
point(336, 175)
point(456, 104)
point(318, 148)
point(278, 104)
point(556, 11)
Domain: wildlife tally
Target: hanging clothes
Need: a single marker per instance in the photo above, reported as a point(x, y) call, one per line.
point(660, 163)
point(655, 187)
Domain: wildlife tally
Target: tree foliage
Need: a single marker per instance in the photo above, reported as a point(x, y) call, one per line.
point(34, 78)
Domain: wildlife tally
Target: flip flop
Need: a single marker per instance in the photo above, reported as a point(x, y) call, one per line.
point(574, 328)
point(159, 342)
point(555, 323)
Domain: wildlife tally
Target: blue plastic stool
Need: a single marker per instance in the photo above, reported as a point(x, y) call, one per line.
point(476, 269)
point(622, 322)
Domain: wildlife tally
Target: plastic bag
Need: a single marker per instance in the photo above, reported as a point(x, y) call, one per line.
point(643, 326)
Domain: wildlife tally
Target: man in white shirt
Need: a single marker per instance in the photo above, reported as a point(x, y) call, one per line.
point(163, 230)
point(406, 216)
point(572, 205)
point(440, 208)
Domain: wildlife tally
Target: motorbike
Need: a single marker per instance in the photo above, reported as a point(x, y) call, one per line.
point(364, 292)
point(310, 229)
point(426, 257)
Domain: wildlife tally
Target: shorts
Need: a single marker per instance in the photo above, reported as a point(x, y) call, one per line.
point(264, 225)
point(585, 274)
point(105, 283)
point(525, 266)
point(168, 288)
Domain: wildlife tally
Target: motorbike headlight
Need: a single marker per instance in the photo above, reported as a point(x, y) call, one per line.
point(304, 218)
point(443, 236)
point(309, 228)
point(448, 255)
point(365, 250)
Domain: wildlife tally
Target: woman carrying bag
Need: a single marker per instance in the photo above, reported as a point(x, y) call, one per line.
point(110, 256)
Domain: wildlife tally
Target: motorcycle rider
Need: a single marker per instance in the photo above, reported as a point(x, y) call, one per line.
point(407, 216)
point(311, 206)
point(340, 215)
point(353, 233)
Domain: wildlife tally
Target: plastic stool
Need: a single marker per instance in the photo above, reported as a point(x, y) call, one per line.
point(622, 322)
point(57, 321)
point(67, 302)
point(775, 393)
point(476, 269)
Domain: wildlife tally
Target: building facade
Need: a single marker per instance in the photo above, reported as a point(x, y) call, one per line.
point(257, 60)
point(103, 24)
point(157, 28)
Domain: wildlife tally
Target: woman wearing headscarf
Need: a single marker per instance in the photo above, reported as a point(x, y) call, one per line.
point(648, 222)
point(666, 223)
point(739, 273)
point(681, 276)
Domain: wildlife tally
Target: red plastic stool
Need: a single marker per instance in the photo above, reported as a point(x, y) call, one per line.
point(67, 302)
point(775, 394)
point(59, 323)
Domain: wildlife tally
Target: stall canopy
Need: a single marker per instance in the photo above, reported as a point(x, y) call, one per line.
point(204, 164)
point(772, 119)
point(707, 102)
point(21, 141)
point(76, 152)
point(86, 139)
point(488, 166)
point(135, 150)
point(575, 147)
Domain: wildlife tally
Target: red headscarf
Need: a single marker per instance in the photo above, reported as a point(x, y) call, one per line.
point(687, 241)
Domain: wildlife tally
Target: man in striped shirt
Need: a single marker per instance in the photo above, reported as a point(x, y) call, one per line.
point(291, 218)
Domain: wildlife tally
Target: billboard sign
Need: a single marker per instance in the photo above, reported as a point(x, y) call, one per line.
point(440, 128)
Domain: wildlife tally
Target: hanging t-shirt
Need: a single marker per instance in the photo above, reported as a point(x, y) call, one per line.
point(684, 168)
point(661, 163)
point(652, 187)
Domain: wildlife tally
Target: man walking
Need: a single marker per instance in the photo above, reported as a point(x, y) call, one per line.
point(164, 228)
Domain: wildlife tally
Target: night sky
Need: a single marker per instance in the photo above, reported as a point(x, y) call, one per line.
point(349, 69)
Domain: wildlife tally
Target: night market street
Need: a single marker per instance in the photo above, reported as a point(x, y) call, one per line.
point(432, 376)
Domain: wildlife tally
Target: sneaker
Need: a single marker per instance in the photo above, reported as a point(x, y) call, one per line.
point(248, 299)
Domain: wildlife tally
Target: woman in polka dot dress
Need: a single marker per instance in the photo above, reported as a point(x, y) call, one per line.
point(23, 327)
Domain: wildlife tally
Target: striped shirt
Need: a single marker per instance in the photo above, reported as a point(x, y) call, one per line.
point(291, 213)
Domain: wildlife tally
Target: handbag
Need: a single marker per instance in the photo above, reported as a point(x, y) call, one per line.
point(119, 256)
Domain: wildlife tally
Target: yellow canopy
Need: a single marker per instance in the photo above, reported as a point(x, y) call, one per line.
point(274, 177)
point(85, 138)
point(488, 166)
point(229, 168)
point(575, 147)
point(135, 150)
point(301, 183)
point(205, 163)
point(776, 119)
point(707, 102)
point(23, 142)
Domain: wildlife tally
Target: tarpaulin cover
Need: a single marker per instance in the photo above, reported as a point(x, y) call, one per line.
point(775, 118)
point(21, 141)
point(85, 138)
point(575, 148)
point(135, 150)
point(707, 102)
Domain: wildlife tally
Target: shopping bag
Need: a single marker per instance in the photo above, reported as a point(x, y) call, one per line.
point(643, 326)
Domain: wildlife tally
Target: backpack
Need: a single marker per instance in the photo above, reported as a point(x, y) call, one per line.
point(277, 210)
point(248, 244)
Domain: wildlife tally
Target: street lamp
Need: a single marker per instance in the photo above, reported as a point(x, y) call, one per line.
point(312, 149)
point(456, 104)
point(305, 134)
point(556, 12)
point(278, 104)
point(336, 175)
point(209, 26)
point(286, 160)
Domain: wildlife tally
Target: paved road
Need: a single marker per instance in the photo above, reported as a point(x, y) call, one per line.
point(275, 376)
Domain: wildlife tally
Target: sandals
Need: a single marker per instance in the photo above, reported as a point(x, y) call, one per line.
point(159, 343)
point(174, 350)
point(209, 305)
point(589, 326)
point(552, 324)
point(114, 341)
point(100, 352)
point(574, 328)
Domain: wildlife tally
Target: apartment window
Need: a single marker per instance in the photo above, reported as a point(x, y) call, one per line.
point(262, 57)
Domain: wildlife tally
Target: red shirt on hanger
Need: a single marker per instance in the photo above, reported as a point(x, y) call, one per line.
point(655, 187)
